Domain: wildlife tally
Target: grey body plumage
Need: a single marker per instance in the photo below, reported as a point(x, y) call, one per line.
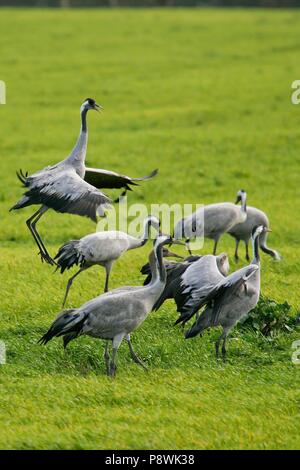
point(231, 299)
point(70, 187)
point(61, 187)
point(212, 221)
point(203, 274)
point(100, 248)
point(188, 275)
point(115, 314)
point(242, 232)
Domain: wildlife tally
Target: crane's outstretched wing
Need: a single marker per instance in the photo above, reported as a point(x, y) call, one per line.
point(109, 179)
point(216, 296)
point(64, 191)
point(204, 274)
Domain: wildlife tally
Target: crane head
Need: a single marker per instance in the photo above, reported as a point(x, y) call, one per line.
point(90, 103)
point(241, 196)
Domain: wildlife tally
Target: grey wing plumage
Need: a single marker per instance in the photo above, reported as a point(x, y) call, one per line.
point(174, 272)
point(173, 268)
point(110, 179)
point(64, 191)
point(200, 276)
point(218, 294)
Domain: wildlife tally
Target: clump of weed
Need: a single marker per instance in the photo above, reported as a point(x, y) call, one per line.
point(270, 317)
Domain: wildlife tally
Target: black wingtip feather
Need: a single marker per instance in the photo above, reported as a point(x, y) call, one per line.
point(45, 339)
point(177, 321)
point(60, 326)
point(147, 177)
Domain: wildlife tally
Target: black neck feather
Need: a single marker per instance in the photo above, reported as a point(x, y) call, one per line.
point(83, 120)
point(161, 266)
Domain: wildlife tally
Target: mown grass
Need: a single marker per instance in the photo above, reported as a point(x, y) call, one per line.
point(205, 96)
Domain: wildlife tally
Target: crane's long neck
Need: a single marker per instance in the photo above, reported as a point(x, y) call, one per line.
point(244, 206)
point(137, 242)
point(77, 156)
point(153, 268)
point(243, 215)
point(266, 249)
point(158, 270)
point(255, 245)
point(146, 232)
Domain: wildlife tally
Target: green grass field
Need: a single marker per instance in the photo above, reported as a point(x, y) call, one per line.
point(205, 96)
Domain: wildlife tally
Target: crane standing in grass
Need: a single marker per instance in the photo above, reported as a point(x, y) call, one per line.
point(242, 231)
point(114, 315)
point(69, 186)
point(230, 300)
point(212, 221)
point(100, 248)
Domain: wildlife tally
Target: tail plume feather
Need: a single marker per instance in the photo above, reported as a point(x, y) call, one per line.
point(22, 177)
point(69, 255)
point(202, 322)
point(69, 322)
point(25, 200)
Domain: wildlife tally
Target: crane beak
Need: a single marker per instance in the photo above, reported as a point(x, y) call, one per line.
point(177, 242)
point(171, 254)
point(268, 230)
point(98, 107)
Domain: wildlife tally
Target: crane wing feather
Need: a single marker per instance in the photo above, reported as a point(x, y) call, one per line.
point(201, 276)
point(109, 179)
point(65, 191)
point(217, 294)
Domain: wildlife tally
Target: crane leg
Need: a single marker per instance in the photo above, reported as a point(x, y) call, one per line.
point(236, 253)
point(35, 221)
point(217, 347)
point(135, 358)
point(215, 247)
point(116, 344)
point(107, 270)
point(223, 338)
point(31, 224)
point(70, 281)
point(112, 365)
point(224, 348)
point(106, 357)
point(247, 251)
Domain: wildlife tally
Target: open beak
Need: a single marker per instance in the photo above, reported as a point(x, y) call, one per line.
point(98, 107)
